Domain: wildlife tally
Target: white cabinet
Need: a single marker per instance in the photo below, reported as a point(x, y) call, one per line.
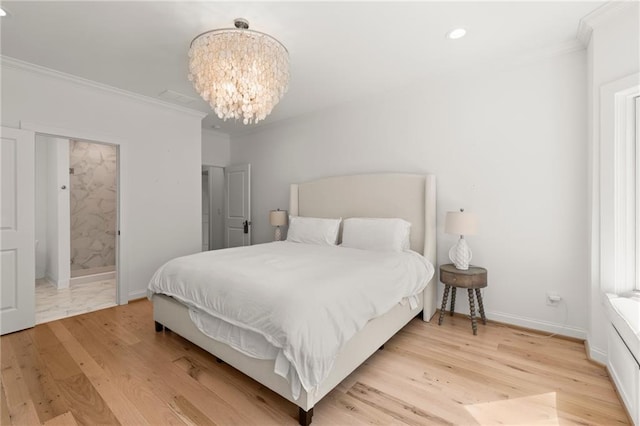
point(626, 373)
point(623, 352)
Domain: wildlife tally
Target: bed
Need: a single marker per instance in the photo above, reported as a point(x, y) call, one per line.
point(407, 196)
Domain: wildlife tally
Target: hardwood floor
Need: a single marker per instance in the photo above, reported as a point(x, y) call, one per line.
point(111, 367)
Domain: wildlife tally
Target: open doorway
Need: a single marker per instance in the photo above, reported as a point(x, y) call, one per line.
point(212, 208)
point(76, 226)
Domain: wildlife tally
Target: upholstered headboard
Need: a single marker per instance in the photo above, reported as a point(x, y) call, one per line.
point(408, 196)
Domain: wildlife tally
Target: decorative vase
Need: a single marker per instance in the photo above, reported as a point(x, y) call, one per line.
point(460, 254)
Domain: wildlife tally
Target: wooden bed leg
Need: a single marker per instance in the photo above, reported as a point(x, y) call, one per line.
point(304, 417)
point(159, 327)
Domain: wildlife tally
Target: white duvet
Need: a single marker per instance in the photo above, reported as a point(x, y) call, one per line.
point(305, 300)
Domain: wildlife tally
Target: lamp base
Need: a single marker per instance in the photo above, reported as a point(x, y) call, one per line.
point(460, 254)
point(278, 234)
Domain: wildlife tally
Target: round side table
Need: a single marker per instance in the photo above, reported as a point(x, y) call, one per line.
point(472, 279)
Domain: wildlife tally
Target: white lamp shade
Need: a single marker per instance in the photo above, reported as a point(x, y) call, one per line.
point(460, 223)
point(278, 217)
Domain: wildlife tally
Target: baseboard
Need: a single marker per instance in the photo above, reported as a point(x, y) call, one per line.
point(59, 284)
point(50, 281)
point(614, 381)
point(135, 295)
point(536, 331)
point(76, 273)
point(83, 279)
point(595, 355)
point(535, 324)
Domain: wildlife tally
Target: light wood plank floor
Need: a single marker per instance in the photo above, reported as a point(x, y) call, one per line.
point(110, 367)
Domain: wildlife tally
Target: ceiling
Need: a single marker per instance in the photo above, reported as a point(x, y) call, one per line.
point(338, 51)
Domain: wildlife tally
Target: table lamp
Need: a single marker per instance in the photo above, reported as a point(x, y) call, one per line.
point(278, 218)
point(460, 223)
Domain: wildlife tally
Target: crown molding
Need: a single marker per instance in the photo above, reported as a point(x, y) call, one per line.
point(532, 56)
point(584, 33)
point(552, 51)
point(37, 69)
point(600, 16)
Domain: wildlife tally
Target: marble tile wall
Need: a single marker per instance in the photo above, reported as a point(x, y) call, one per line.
point(93, 205)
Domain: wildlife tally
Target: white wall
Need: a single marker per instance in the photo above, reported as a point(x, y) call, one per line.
point(509, 145)
point(41, 215)
point(613, 53)
point(59, 217)
point(216, 149)
point(160, 153)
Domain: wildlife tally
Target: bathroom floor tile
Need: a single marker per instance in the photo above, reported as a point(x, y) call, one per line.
point(53, 304)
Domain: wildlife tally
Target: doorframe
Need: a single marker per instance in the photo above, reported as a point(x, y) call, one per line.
point(122, 267)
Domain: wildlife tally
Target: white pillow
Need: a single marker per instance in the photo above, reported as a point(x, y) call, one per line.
point(376, 234)
point(313, 230)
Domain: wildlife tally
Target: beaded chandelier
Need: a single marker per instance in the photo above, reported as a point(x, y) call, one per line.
point(241, 73)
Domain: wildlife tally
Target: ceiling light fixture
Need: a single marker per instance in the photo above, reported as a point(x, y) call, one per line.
point(456, 33)
point(242, 73)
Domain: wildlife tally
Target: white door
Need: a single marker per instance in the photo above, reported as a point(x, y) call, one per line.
point(17, 230)
point(237, 218)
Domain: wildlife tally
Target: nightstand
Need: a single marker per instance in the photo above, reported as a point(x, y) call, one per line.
point(472, 279)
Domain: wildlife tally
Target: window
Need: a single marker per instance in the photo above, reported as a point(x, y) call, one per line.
point(637, 172)
point(618, 186)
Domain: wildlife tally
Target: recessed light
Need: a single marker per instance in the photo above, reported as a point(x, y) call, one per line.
point(3, 12)
point(456, 33)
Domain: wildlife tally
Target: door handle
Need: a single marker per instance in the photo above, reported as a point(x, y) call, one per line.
point(246, 224)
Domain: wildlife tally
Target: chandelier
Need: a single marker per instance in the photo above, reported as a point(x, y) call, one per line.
point(241, 73)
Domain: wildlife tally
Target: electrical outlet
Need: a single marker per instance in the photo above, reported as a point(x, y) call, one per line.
point(553, 298)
